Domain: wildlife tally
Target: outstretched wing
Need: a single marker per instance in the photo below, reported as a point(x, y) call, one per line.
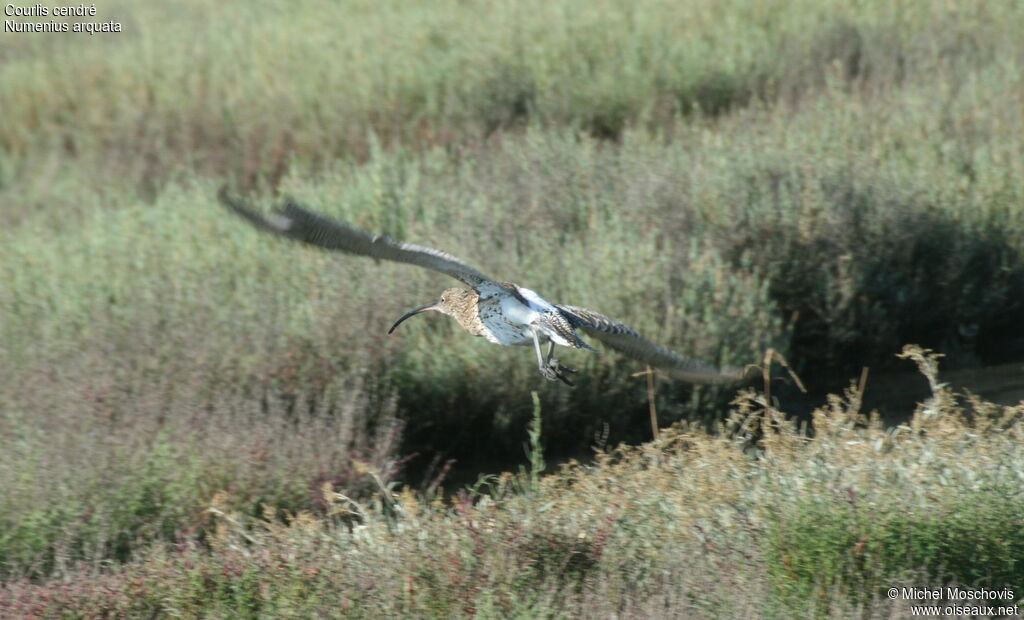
point(631, 344)
point(297, 223)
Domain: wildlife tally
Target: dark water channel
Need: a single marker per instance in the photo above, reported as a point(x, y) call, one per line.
point(894, 394)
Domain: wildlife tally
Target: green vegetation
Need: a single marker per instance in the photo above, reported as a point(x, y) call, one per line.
point(829, 179)
point(689, 525)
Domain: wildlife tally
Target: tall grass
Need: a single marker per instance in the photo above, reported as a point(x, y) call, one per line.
point(207, 86)
point(828, 179)
point(161, 311)
point(688, 526)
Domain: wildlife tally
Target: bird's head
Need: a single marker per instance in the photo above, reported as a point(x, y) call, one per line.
point(454, 302)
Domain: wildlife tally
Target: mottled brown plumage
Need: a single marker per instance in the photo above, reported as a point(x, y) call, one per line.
point(501, 312)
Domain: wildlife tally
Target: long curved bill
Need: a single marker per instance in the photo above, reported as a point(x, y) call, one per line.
point(431, 306)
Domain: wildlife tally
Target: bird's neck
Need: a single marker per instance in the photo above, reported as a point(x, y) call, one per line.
point(467, 314)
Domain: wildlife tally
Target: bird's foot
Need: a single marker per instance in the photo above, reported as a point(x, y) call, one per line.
point(554, 371)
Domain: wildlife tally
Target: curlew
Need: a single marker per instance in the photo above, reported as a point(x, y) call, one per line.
point(502, 312)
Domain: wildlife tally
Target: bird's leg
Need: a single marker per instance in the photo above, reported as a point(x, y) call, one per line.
point(536, 347)
point(549, 368)
point(555, 364)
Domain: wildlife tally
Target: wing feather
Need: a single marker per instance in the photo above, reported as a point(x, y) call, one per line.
point(628, 342)
point(297, 223)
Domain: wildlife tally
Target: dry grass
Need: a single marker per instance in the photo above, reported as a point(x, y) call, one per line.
point(198, 87)
point(828, 179)
point(693, 525)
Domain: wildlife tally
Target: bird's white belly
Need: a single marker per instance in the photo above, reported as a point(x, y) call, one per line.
point(510, 322)
point(516, 313)
point(533, 313)
point(507, 321)
point(503, 332)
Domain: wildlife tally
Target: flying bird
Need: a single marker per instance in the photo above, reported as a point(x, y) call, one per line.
point(502, 312)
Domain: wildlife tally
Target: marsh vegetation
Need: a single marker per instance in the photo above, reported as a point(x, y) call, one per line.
point(196, 419)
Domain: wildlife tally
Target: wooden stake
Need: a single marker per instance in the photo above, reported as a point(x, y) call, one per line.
point(652, 407)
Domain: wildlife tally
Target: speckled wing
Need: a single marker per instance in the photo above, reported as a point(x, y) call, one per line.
point(297, 223)
point(556, 322)
point(631, 344)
